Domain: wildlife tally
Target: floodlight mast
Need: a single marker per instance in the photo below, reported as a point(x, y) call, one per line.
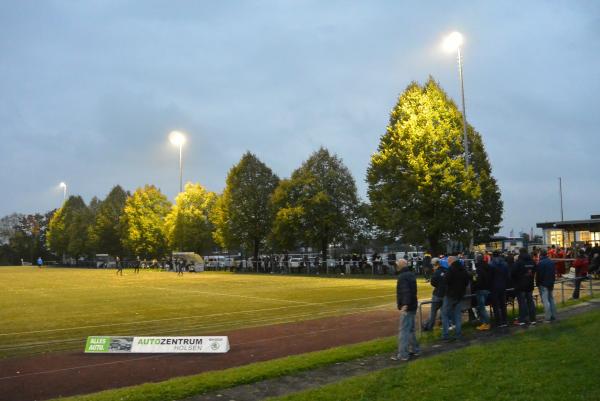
point(63, 185)
point(178, 139)
point(453, 42)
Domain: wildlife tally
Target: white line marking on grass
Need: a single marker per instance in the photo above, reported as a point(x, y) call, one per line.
point(190, 317)
point(232, 295)
point(219, 326)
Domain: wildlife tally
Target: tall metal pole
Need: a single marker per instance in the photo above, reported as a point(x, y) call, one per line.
point(464, 112)
point(180, 168)
point(64, 193)
point(562, 216)
point(464, 115)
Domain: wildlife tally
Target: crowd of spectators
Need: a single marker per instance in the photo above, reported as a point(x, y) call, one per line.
point(491, 280)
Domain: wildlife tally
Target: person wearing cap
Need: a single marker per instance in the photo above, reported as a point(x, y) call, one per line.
point(406, 297)
point(545, 277)
point(523, 276)
point(439, 291)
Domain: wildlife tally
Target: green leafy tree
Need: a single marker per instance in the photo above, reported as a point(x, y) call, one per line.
point(106, 231)
point(419, 187)
point(143, 222)
point(243, 215)
point(317, 206)
point(68, 228)
point(187, 226)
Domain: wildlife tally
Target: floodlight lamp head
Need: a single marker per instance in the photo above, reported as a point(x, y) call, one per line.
point(453, 42)
point(62, 185)
point(177, 138)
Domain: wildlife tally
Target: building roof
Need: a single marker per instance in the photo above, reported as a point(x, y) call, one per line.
point(573, 225)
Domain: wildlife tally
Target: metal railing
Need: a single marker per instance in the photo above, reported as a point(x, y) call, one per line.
point(589, 281)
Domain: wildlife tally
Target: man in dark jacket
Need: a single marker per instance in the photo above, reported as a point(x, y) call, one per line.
point(438, 283)
point(523, 279)
point(457, 280)
point(481, 286)
point(406, 296)
point(500, 280)
point(546, 273)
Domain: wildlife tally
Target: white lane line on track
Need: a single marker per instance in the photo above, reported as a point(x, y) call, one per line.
point(192, 316)
point(165, 355)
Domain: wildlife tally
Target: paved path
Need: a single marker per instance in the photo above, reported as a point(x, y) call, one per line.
point(331, 374)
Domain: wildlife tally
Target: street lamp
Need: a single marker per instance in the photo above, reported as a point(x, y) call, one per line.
point(64, 188)
point(452, 43)
point(178, 139)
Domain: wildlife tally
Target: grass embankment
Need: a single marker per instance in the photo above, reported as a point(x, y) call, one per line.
point(52, 309)
point(553, 362)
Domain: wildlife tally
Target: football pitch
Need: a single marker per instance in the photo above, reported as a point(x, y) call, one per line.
point(52, 309)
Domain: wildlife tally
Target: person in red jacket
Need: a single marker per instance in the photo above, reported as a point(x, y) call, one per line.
point(581, 271)
point(560, 265)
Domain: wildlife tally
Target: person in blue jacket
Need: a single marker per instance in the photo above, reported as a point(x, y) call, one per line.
point(546, 274)
point(500, 277)
point(406, 297)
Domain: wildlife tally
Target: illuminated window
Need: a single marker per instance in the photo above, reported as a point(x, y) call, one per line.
point(556, 237)
point(584, 236)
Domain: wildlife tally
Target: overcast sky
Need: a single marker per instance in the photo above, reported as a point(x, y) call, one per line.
point(90, 89)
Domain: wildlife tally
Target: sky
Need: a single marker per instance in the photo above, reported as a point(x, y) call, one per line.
point(89, 91)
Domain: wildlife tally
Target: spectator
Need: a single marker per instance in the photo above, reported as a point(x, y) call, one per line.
point(500, 278)
point(39, 262)
point(581, 271)
point(438, 283)
point(406, 296)
point(427, 267)
point(594, 267)
point(457, 280)
point(560, 265)
point(545, 277)
point(523, 280)
point(481, 288)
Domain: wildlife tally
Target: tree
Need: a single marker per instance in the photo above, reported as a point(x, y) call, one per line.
point(106, 231)
point(187, 226)
point(68, 228)
point(419, 187)
point(318, 205)
point(8, 226)
point(243, 215)
point(143, 222)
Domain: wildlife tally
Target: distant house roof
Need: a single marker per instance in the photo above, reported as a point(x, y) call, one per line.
point(592, 224)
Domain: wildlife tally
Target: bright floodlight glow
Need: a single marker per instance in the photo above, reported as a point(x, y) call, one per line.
point(453, 42)
point(177, 138)
point(62, 185)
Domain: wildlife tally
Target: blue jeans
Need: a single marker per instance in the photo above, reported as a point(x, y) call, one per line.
point(526, 306)
point(451, 310)
point(548, 301)
point(484, 316)
point(407, 340)
point(436, 304)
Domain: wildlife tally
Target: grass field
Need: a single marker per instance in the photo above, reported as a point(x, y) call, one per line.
point(554, 362)
point(55, 309)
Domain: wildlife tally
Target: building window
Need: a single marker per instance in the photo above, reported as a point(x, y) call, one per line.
point(556, 237)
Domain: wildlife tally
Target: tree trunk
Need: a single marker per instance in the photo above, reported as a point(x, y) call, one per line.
point(434, 244)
